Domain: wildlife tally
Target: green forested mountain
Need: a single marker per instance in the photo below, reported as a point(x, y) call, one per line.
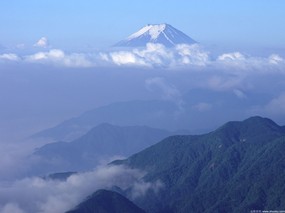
point(237, 168)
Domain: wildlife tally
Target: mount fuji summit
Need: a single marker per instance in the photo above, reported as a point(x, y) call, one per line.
point(156, 33)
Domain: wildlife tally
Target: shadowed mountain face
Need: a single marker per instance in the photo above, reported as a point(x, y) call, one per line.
point(100, 143)
point(104, 201)
point(237, 168)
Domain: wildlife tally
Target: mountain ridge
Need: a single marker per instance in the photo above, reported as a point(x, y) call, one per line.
point(142, 113)
point(100, 143)
point(199, 106)
point(218, 171)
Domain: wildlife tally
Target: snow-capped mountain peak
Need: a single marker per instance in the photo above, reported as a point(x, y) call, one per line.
point(156, 33)
point(153, 30)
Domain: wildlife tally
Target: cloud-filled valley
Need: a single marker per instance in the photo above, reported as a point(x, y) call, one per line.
point(40, 195)
point(66, 84)
point(178, 88)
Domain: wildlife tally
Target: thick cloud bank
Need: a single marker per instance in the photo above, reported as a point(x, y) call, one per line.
point(158, 55)
point(52, 196)
point(152, 56)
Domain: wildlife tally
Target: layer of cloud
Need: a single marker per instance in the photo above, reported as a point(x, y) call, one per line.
point(192, 55)
point(9, 57)
point(241, 62)
point(51, 196)
point(182, 56)
point(157, 55)
point(60, 58)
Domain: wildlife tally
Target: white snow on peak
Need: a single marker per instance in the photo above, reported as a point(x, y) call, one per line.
point(156, 33)
point(140, 32)
point(154, 30)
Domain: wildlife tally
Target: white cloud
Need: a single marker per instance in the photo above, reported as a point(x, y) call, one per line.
point(181, 57)
point(54, 54)
point(275, 59)
point(58, 57)
point(235, 56)
point(152, 55)
point(9, 57)
point(157, 55)
point(126, 58)
point(237, 62)
point(140, 189)
point(42, 42)
point(192, 55)
point(46, 196)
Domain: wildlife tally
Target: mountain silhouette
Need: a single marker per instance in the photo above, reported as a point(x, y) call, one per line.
point(104, 201)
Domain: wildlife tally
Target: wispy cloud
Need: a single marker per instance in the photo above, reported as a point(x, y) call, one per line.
point(239, 93)
point(169, 91)
point(221, 82)
point(202, 107)
point(11, 207)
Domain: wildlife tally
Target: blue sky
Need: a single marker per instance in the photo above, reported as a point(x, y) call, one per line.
point(78, 24)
